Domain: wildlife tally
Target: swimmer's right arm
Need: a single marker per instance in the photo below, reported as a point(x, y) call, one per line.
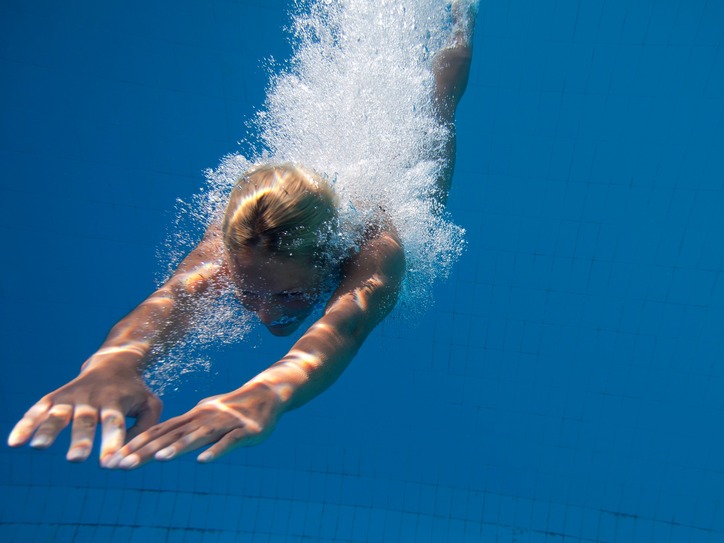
point(110, 385)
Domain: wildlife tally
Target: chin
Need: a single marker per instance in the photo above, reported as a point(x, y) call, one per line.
point(283, 331)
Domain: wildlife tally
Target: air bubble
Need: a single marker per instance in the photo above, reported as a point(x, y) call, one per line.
point(355, 104)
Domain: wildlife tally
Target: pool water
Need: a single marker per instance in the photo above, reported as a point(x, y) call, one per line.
point(567, 385)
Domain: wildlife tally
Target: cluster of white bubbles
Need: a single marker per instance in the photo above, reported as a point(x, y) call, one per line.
point(221, 321)
point(355, 104)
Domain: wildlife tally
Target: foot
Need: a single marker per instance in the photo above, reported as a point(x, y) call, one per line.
point(463, 14)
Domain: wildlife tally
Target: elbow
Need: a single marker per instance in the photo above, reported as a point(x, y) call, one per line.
point(360, 311)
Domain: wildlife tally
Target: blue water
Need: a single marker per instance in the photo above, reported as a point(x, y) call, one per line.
point(567, 385)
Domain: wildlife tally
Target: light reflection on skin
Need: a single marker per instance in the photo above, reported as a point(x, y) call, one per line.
point(299, 364)
point(281, 291)
point(247, 415)
point(113, 433)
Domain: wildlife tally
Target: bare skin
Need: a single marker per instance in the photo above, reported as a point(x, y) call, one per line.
point(247, 415)
point(281, 291)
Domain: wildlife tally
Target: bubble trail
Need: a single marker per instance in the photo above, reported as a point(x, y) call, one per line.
point(354, 104)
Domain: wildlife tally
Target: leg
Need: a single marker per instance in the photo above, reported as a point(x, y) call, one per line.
point(451, 68)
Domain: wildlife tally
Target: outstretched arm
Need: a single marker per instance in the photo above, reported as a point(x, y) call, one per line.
point(365, 296)
point(109, 386)
point(248, 415)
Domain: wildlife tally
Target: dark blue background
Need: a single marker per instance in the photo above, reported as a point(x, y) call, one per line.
point(568, 384)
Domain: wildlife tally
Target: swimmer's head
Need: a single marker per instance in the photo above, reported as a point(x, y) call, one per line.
point(275, 231)
point(283, 210)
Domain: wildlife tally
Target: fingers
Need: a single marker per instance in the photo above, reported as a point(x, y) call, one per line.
point(194, 440)
point(146, 417)
point(43, 422)
point(238, 437)
point(57, 418)
point(27, 425)
point(46, 421)
point(85, 420)
point(179, 436)
point(142, 448)
point(113, 433)
point(232, 440)
point(169, 446)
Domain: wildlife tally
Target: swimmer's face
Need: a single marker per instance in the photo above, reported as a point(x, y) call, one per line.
point(281, 291)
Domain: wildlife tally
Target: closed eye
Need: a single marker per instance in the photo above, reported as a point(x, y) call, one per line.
point(292, 295)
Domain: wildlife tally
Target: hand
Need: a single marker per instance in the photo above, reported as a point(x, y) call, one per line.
point(238, 419)
point(108, 394)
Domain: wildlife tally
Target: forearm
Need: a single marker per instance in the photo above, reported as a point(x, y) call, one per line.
point(164, 316)
point(314, 363)
point(322, 354)
point(131, 341)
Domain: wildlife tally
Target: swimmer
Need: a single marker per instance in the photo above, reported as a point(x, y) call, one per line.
point(270, 246)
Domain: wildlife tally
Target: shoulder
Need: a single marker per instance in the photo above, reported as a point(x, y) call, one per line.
point(379, 253)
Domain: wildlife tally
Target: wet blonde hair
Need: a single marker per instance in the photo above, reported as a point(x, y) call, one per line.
point(284, 209)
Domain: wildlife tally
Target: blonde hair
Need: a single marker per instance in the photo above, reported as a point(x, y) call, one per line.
point(284, 209)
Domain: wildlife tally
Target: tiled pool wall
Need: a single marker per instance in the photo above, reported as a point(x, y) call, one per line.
point(567, 385)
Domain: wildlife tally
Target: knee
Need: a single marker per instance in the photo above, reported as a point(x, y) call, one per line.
point(451, 68)
point(454, 58)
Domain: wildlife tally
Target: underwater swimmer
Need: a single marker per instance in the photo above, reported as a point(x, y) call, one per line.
point(269, 248)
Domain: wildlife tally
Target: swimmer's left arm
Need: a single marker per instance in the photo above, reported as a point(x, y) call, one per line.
point(367, 293)
point(246, 416)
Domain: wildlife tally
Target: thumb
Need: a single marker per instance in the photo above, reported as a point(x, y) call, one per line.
point(147, 416)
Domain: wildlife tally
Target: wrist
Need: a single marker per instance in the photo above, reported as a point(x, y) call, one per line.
point(281, 382)
point(117, 359)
